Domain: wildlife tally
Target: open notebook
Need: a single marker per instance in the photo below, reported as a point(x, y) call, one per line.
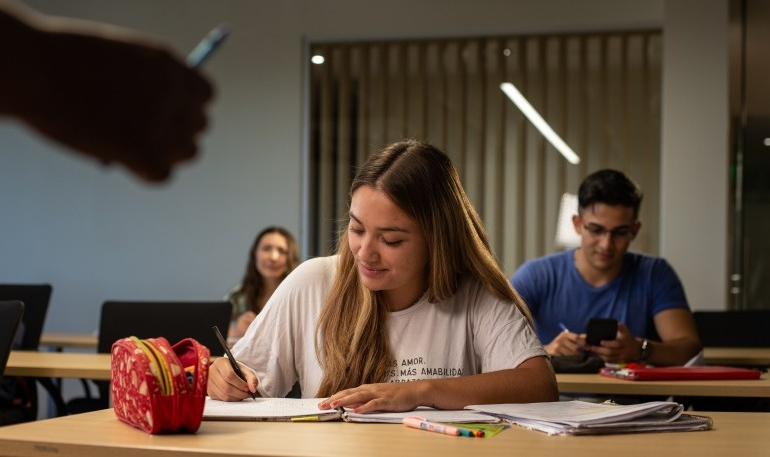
point(306, 410)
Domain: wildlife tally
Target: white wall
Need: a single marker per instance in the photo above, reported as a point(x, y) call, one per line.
point(694, 165)
point(99, 234)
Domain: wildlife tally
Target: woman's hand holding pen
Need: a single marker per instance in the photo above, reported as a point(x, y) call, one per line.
point(378, 397)
point(225, 385)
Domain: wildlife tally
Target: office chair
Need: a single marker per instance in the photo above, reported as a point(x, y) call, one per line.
point(36, 298)
point(747, 328)
point(732, 328)
point(10, 317)
point(150, 319)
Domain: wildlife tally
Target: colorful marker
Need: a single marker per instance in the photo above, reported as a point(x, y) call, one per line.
point(422, 424)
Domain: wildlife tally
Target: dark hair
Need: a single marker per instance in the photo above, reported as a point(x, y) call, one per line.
point(610, 187)
point(252, 282)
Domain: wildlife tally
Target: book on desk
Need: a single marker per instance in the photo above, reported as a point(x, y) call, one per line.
point(586, 418)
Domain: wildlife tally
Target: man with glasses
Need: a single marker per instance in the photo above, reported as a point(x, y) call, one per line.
point(601, 279)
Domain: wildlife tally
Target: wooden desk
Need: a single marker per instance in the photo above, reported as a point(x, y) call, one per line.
point(595, 384)
point(100, 433)
point(97, 366)
point(60, 340)
point(755, 357)
point(58, 365)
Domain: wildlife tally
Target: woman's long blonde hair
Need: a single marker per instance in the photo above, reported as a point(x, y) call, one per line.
point(421, 180)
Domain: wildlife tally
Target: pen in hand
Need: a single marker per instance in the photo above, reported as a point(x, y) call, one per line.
point(207, 46)
point(566, 330)
point(230, 357)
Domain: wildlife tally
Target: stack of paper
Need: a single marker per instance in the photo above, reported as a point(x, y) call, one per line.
point(584, 418)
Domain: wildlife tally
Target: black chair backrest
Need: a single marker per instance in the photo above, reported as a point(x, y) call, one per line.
point(10, 315)
point(173, 320)
point(748, 328)
point(36, 298)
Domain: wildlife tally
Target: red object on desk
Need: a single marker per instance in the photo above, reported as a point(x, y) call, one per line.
point(641, 373)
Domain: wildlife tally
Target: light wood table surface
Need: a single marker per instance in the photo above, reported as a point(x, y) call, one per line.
point(596, 384)
point(756, 357)
point(58, 365)
point(101, 434)
point(97, 366)
point(61, 340)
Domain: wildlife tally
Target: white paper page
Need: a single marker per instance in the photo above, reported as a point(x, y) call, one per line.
point(430, 414)
point(265, 408)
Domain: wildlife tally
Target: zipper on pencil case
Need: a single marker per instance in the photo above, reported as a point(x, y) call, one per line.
point(165, 364)
point(176, 374)
point(160, 372)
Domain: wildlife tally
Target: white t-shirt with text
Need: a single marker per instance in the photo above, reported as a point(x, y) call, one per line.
point(471, 332)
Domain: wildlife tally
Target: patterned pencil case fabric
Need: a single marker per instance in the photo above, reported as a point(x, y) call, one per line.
point(157, 387)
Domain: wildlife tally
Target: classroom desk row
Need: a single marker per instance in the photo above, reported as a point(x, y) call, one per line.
point(97, 366)
point(100, 433)
point(61, 340)
point(759, 357)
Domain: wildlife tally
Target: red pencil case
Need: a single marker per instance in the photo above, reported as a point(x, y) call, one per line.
point(159, 388)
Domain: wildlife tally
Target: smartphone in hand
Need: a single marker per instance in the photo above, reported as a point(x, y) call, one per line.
point(601, 329)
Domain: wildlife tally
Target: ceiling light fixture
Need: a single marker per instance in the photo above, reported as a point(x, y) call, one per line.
point(539, 123)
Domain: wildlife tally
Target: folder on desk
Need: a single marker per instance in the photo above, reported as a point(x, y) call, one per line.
point(642, 373)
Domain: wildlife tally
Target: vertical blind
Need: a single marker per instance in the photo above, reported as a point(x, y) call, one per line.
point(600, 92)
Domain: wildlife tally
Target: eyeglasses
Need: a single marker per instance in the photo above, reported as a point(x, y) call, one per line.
point(623, 232)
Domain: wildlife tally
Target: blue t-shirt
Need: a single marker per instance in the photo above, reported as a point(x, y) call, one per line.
point(556, 293)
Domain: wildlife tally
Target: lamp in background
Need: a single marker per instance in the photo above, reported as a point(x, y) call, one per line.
point(539, 123)
point(566, 236)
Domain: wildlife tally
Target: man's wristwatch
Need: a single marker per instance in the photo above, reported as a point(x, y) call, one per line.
point(646, 350)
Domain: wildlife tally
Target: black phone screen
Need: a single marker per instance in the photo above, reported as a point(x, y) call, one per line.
point(601, 329)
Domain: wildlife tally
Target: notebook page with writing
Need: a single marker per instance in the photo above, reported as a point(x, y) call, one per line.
point(268, 409)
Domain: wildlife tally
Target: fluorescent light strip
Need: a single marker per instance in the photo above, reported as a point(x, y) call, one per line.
point(539, 123)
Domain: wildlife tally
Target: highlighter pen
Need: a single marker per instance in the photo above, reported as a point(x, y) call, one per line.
point(207, 46)
point(230, 357)
point(422, 424)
